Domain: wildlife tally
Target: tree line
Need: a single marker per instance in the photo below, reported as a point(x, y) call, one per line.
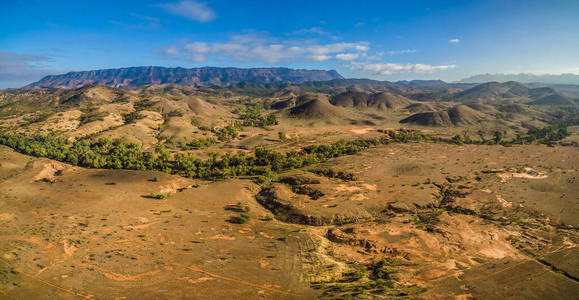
point(118, 154)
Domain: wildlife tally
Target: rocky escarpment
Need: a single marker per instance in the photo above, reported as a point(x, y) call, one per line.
point(289, 207)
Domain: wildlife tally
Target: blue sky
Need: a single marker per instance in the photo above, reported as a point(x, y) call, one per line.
point(386, 40)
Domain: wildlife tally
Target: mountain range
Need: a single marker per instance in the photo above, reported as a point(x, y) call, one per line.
point(524, 78)
point(205, 76)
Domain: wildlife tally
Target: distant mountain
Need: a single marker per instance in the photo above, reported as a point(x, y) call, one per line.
point(524, 78)
point(493, 90)
point(496, 91)
point(206, 76)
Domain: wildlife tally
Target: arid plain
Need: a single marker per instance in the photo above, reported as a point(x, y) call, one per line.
point(320, 190)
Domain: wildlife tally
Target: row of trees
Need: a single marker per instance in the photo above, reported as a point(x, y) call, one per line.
point(118, 154)
point(544, 135)
point(252, 116)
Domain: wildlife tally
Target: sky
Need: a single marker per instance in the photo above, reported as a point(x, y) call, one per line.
point(384, 40)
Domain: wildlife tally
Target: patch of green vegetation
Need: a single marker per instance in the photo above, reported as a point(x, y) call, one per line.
point(173, 113)
point(241, 219)
point(331, 173)
point(252, 116)
point(158, 196)
point(314, 194)
point(242, 207)
point(374, 279)
point(428, 219)
point(91, 115)
point(458, 139)
point(199, 143)
point(282, 136)
point(132, 117)
point(47, 180)
point(36, 118)
point(145, 104)
point(227, 133)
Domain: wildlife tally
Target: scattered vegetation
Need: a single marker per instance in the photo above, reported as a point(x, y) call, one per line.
point(428, 219)
point(91, 115)
point(132, 117)
point(378, 278)
point(252, 116)
point(228, 132)
point(173, 113)
point(196, 144)
point(331, 173)
point(36, 118)
point(144, 105)
point(241, 219)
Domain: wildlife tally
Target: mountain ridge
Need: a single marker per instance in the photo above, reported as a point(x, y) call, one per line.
point(566, 78)
point(203, 76)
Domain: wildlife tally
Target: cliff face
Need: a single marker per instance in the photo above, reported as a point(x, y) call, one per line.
point(137, 76)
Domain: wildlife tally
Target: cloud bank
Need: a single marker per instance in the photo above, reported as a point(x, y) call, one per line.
point(251, 48)
point(394, 68)
point(17, 69)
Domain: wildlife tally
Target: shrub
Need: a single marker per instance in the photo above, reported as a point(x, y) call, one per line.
point(144, 105)
point(91, 115)
point(158, 196)
point(282, 136)
point(428, 220)
point(241, 219)
point(457, 139)
point(131, 117)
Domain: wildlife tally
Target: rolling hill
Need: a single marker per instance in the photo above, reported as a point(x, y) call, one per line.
point(382, 101)
point(457, 115)
point(317, 108)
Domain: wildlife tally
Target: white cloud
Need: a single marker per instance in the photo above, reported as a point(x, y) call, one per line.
point(197, 47)
point(315, 30)
point(362, 48)
point(407, 51)
point(360, 24)
point(171, 50)
point(256, 48)
point(193, 10)
point(197, 58)
point(347, 56)
point(454, 41)
point(319, 57)
point(393, 68)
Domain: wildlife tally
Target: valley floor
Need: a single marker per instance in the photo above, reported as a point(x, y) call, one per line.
point(421, 220)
